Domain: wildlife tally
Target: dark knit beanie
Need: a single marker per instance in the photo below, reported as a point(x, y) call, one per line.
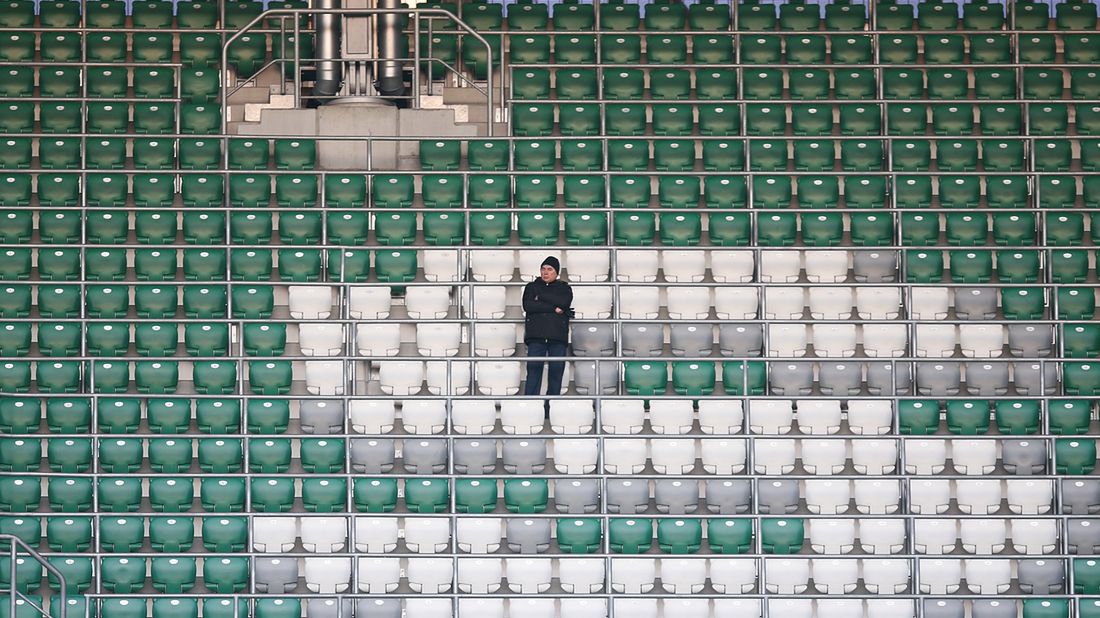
point(552, 262)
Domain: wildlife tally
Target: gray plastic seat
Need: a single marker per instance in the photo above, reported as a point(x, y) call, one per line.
point(1030, 340)
point(691, 339)
point(875, 266)
point(889, 378)
point(741, 339)
point(776, 497)
point(791, 378)
point(938, 379)
point(943, 608)
point(528, 536)
point(372, 456)
point(840, 378)
point(1034, 379)
point(728, 497)
point(643, 340)
point(1083, 536)
point(475, 456)
point(276, 575)
point(593, 339)
point(1041, 576)
point(424, 456)
point(576, 496)
point(1024, 457)
point(328, 608)
point(527, 456)
point(378, 608)
point(1080, 496)
point(986, 379)
point(323, 416)
point(976, 303)
point(627, 496)
point(992, 608)
point(676, 497)
point(585, 377)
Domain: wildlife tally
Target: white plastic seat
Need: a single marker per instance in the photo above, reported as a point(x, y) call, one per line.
point(869, 417)
point(378, 339)
point(494, 339)
point(718, 416)
point(274, 535)
point(834, 340)
point(791, 608)
point(670, 416)
point(782, 266)
point(818, 416)
point(732, 265)
point(473, 416)
point(368, 303)
point(427, 535)
point(372, 415)
point(521, 416)
point(784, 303)
point(1030, 497)
point(986, 576)
point(570, 416)
point(890, 608)
point(978, 497)
point(528, 575)
point(830, 303)
point(874, 457)
point(434, 339)
point(495, 378)
point(787, 340)
point(309, 302)
point(424, 416)
point(492, 264)
point(935, 536)
point(723, 456)
point(672, 456)
point(771, 416)
point(983, 536)
point(584, 608)
point(626, 456)
point(827, 497)
point(929, 497)
point(839, 608)
point(440, 383)
point(835, 576)
point(587, 265)
point(786, 575)
point(633, 575)
point(529, 262)
point(689, 303)
point(878, 303)
point(936, 340)
point(575, 455)
point(882, 536)
point(325, 377)
point(533, 608)
point(823, 457)
point(925, 456)
point(974, 457)
point(376, 535)
point(886, 576)
point(929, 303)
point(681, 607)
point(637, 265)
point(443, 265)
point(487, 302)
point(981, 340)
point(581, 575)
point(427, 302)
point(683, 266)
point(480, 608)
point(773, 457)
point(832, 536)
point(622, 416)
point(683, 576)
point(878, 496)
point(429, 575)
point(639, 608)
point(324, 535)
point(480, 575)
point(884, 340)
point(940, 576)
point(826, 267)
point(732, 575)
point(639, 302)
point(378, 575)
point(1034, 536)
point(736, 303)
point(593, 304)
point(401, 377)
point(320, 338)
point(478, 536)
point(327, 575)
point(428, 608)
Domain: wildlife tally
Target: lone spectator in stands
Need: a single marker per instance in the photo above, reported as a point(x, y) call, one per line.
point(547, 302)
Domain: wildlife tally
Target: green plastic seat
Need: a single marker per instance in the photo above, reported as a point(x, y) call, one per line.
point(967, 417)
point(176, 574)
point(69, 495)
point(1074, 456)
point(123, 575)
point(225, 575)
point(120, 456)
point(729, 536)
point(20, 415)
point(645, 378)
point(119, 494)
point(475, 496)
point(526, 496)
point(427, 495)
point(325, 456)
point(782, 536)
point(1076, 303)
point(1069, 416)
point(691, 378)
point(629, 536)
point(121, 534)
point(378, 495)
point(739, 378)
point(69, 455)
point(679, 536)
point(19, 455)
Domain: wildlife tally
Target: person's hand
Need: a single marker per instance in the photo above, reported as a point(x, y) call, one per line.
point(558, 310)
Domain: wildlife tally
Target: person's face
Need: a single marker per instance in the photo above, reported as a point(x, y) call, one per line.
point(548, 274)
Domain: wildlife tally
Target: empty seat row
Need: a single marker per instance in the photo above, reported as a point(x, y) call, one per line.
point(151, 14)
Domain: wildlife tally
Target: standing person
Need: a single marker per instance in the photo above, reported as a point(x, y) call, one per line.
point(546, 302)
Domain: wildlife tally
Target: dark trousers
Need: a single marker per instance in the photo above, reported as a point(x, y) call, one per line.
point(534, 368)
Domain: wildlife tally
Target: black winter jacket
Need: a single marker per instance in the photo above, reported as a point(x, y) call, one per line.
point(539, 301)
